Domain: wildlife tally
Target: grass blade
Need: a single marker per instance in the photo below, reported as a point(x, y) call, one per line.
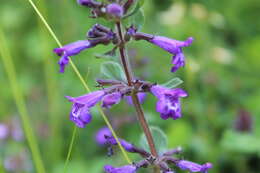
point(19, 100)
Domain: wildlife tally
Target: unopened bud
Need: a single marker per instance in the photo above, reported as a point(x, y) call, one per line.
point(115, 10)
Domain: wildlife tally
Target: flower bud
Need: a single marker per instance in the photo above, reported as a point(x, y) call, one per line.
point(115, 10)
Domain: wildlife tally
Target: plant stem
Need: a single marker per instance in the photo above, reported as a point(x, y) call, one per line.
point(135, 99)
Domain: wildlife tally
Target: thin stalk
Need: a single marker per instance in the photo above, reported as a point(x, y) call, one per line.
point(137, 105)
point(70, 149)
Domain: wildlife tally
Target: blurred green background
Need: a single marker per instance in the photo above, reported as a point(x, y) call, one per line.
point(220, 121)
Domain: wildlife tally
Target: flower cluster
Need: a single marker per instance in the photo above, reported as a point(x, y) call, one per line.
point(164, 161)
point(168, 104)
point(111, 91)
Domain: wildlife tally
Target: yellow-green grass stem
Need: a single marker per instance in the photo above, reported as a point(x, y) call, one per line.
point(20, 103)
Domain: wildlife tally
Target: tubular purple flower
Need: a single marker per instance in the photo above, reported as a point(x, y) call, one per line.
point(178, 60)
point(168, 104)
point(80, 112)
point(141, 97)
point(170, 45)
point(115, 10)
point(173, 47)
point(193, 167)
point(80, 115)
point(70, 50)
point(101, 135)
point(123, 169)
point(111, 99)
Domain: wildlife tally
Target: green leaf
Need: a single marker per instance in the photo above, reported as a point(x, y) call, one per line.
point(138, 19)
point(103, 56)
point(108, 55)
point(112, 70)
point(160, 140)
point(240, 142)
point(139, 4)
point(173, 83)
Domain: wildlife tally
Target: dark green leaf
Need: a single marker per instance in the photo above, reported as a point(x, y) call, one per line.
point(173, 83)
point(112, 70)
point(160, 140)
point(241, 142)
point(137, 20)
point(139, 4)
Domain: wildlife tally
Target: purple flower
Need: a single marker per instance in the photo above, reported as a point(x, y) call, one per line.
point(17, 162)
point(70, 50)
point(111, 99)
point(84, 2)
point(115, 10)
point(80, 113)
point(16, 130)
point(123, 169)
point(126, 145)
point(4, 131)
point(102, 134)
point(141, 97)
point(90, 3)
point(173, 47)
point(168, 104)
point(193, 167)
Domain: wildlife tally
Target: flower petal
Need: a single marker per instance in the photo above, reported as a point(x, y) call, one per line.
point(80, 115)
point(141, 97)
point(102, 134)
point(193, 167)
point(89, 99)
point(111, 99)
point(123, 169)
point(69, 50)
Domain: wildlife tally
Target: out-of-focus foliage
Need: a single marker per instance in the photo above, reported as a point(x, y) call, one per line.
point(221, 77)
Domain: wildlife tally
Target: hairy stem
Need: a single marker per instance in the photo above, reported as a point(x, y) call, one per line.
point(136, 102)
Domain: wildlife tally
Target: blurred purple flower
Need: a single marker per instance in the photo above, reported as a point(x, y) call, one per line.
point(243, 121)
point(115, 10)
point(193, 167)
point(123, 169)
point(70, 50)
point(17, 131)
point(102, 134)
point(18, 163)
point(111, 99)
point(168, 104)
point(126, 145)
point(141, 97)
point(173, 47)
point(4, 131)
point(80, 113)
